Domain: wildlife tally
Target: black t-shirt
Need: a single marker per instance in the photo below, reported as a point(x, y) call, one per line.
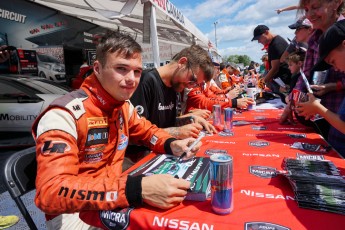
point(275, 50)
point(154, 100)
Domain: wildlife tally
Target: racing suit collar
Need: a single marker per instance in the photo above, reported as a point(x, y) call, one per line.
point(99, 96)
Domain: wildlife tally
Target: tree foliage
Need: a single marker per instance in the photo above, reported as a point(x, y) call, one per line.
point(245, 59)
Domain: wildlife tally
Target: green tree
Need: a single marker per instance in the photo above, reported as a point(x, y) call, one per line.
point(245, 59)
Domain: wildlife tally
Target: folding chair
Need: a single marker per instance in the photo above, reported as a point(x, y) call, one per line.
point(19, 178)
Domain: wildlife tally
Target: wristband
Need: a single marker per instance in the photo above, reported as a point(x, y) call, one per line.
point(234, 103)
point(339, 86)
point(167, 147)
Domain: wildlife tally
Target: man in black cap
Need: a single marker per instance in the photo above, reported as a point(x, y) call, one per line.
point(276, 47)
point(332, 53)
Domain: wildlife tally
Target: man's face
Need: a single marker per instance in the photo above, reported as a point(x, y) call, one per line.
point(216, 71)
point(263, 39)
point(186, 77)
point(119, 76)
point(336, 57)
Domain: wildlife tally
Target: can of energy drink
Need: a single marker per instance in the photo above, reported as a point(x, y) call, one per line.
point(228, 116)
point(217, 115)
point(221, 174)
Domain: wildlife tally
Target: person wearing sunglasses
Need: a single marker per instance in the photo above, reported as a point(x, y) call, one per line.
point(156, 96)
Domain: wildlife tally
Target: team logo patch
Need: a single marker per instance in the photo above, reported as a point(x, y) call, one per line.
point(215, 151)
point(297, 135)
point(263, 225)
point(254, 127)
point(259, 143)
point(97, 136)
point(116, 219)
point(93, 158)
point(54, 147)
point(153, 140)
point(140, 109)
point(97, 121)
point(123, 142)
point(301, 156)
point(263, 171)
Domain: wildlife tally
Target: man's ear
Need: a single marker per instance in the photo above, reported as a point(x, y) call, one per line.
point(343, 43)
point(182, 62)
point(96, 66)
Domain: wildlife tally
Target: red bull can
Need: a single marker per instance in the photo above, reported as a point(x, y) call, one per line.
point(228, 116)
point(221, 174)
point(217, 115)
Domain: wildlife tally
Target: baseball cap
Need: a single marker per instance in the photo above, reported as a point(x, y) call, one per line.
point(330, 40)
point(215, 63)
point(258, 31)
point(301, 22)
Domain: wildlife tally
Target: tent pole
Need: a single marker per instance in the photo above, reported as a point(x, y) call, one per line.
point(154, 37)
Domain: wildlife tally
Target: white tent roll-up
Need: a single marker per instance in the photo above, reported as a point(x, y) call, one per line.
point(151, 21)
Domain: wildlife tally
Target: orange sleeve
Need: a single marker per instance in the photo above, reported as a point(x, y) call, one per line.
point(216, 90)
point(197, 99)
point(143, 132)
point(225, 85)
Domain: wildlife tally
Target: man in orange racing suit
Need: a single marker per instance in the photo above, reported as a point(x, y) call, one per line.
point(206, 95)
point(82, 137)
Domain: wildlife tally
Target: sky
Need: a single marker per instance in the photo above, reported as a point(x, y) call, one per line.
point(236, 20)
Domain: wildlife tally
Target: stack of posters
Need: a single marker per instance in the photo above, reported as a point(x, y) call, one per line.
point(316, 184)
point(196, 170)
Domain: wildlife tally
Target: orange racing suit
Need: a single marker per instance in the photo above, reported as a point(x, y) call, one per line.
point(80, 150)
point(205, 96)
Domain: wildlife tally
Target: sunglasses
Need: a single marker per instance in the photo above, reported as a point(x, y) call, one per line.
point(193, 82)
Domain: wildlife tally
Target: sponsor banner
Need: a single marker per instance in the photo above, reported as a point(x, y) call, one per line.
point(258, 194)
point(215, 151)
point(262, 171)
point(255, 127)
point(301, 156)
point(260, 118)
point(297, 135)
point(263, 225)
point(265, 155)
point(259, 143)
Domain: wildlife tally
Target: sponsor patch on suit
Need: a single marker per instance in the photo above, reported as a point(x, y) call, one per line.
point(97, 136)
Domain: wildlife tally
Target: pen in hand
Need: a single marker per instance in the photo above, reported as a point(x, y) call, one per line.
point(201, 135)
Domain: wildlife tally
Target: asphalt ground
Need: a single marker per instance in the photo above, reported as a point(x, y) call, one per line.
point(7, 204)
